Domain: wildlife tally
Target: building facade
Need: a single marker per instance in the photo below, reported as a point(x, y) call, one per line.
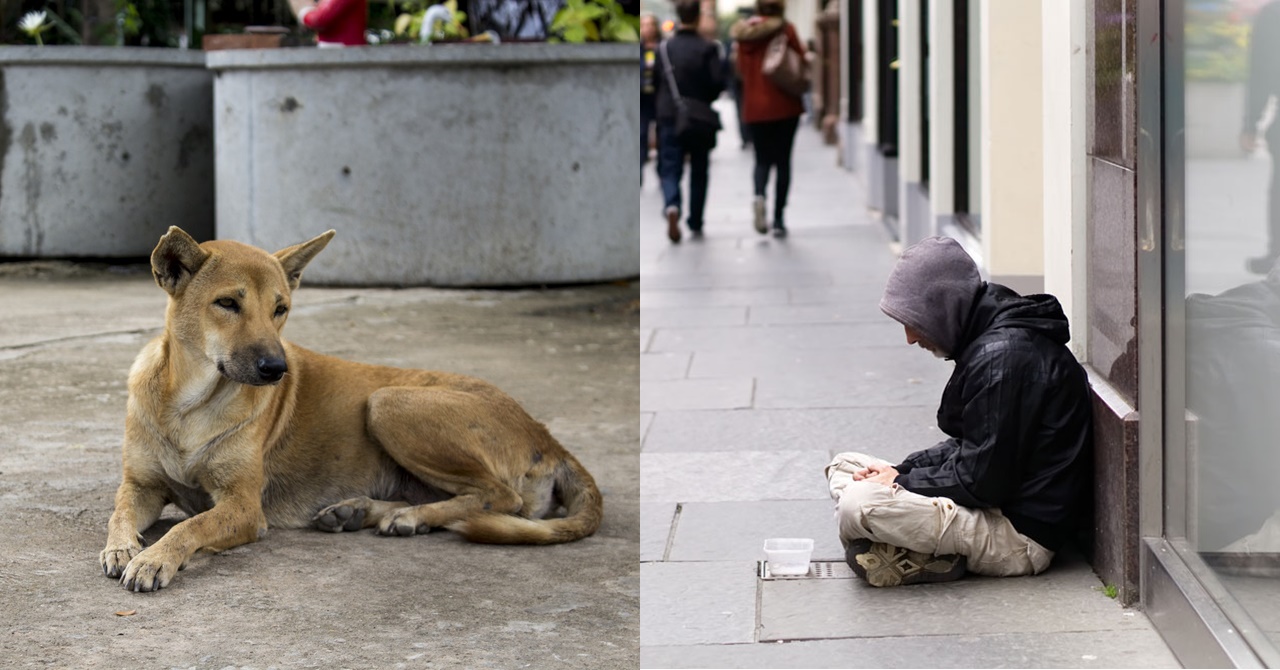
point(1117, 154)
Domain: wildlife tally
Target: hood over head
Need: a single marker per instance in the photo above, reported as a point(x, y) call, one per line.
point(932, 289)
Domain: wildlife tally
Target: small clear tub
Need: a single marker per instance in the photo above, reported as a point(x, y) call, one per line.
point(788, 556)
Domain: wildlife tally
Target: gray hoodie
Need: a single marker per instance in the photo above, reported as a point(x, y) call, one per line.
point(932, 290)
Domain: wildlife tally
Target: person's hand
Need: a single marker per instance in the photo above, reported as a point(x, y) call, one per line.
point(882, 474)
point(1248, 142)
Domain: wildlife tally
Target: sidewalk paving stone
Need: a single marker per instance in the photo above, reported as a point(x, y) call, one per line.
point(686, 317)
point(712, 297)
point(738, 476)
point(736, 531)
point(791, 338)
point(656, 396)
point(1066, 598)
point(664, 366)
point(1093, 649)
point(698, 603)
point(656, 520)
point(888, 432)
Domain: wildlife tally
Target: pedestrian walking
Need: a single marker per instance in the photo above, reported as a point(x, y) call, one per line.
point(1004, 491)
point(1263, 83)
point(771, 113)
point(691, 78)
point(649, 38)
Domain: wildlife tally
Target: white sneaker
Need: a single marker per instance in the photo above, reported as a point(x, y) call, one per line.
point(757, 211)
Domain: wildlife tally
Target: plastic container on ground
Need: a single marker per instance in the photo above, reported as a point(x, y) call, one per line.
point(788, 555)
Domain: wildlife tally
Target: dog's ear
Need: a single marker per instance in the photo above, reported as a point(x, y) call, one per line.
point(176, 259)
point(296, 257)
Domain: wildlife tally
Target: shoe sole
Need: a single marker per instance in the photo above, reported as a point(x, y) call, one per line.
point(884, 565)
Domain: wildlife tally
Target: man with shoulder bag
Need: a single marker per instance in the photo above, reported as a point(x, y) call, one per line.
point(691, 78)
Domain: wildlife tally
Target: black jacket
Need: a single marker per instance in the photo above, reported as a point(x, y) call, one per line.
point(698, 69)
point(1018, 412)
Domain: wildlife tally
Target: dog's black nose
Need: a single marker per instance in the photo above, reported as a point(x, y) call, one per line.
point(272, 368)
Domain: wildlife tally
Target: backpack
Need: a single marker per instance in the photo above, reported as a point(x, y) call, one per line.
point(784, 67)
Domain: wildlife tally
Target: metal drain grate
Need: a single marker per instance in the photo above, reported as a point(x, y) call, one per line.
point(817, 570)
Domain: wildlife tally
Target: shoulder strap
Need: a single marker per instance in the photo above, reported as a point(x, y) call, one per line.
point(671, 75)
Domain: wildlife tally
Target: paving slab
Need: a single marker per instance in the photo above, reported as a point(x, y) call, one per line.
point(1093, 649)
point(740, 280)
point(698, 603)
point(659, 395)
point(685, 317)
point(863, 311)
point(888, 432)
point(665, 366)
point(656, 522)
point(1066, 598)
point(897, 369)
point(736, 531)
point(862, 292)
point(833, 389)
point(738, 476)
point(713, 297)
point(303, 598)
point(792, 338)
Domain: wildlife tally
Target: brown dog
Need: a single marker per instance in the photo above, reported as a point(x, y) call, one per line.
point(244, 431)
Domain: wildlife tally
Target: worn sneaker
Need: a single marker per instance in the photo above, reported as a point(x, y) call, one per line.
point(883, 564)
point(757, 213)
point(779, 230)
point(673, 224)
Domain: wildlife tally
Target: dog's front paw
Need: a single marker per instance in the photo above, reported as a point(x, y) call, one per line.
point(148, 571)
point(115, 557)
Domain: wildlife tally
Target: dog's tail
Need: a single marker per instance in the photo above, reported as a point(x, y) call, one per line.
point(577, 491)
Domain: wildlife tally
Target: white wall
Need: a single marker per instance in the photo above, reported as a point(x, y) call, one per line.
point(1012, 141)
point(942, 173)
point(1065, 183)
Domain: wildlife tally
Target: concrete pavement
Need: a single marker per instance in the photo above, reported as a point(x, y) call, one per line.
point(302, 599)
point(761, 358)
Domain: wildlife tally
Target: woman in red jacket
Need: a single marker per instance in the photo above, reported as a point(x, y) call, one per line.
point(771, 113)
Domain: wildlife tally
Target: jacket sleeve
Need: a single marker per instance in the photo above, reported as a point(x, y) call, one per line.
point(931, 457)
point(981, 470)
point(324, 13)
point(715, 69)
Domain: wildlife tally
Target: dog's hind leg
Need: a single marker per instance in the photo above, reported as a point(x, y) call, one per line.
point(450, 439)
point(354, 514)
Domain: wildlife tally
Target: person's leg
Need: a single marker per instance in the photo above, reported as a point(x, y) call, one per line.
point(786, 142)
point(671, 168)
point(699, 170)
point(938, 527)
point(763, 139)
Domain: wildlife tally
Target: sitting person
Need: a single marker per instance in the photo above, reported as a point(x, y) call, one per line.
point(1000, 495)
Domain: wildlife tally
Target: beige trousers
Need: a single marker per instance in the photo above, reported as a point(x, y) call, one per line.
point(896, 516)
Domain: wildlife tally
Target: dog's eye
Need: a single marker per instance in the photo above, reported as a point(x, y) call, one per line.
point(281, 309)
point(228, 304)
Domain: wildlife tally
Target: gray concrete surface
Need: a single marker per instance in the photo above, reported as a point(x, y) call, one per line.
point(762, 358)
point(302, 599)
point(462, 165)
point(102, 149)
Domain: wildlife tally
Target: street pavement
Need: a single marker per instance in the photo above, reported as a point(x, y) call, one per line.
point(761, 358)
point(303, 598)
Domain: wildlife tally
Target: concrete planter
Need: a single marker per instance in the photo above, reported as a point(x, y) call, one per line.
point(102, 149)
point(450, 165)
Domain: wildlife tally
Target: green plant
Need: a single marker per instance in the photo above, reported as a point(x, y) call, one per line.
point(594, 21)
point(1110, 591)
point(409, 24)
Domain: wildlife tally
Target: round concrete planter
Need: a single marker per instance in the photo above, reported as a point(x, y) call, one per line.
point(102, 149)
point(450, 165)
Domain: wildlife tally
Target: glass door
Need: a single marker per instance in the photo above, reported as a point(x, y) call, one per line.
point(1222, 306)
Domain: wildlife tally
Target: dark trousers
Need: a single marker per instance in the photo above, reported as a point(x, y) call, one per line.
point(671, 156)
point(647, 116)
point(773, 141)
